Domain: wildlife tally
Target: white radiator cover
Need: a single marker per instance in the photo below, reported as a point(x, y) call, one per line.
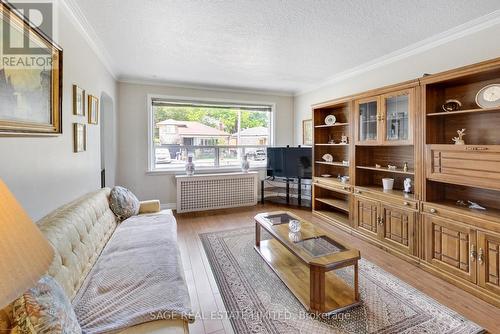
point(216, 191)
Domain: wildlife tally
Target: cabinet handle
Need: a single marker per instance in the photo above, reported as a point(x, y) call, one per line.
point(476, 148)
point(480, 257)
point(358, 191)
point(380, 221)
point(433, 210)
point(473, 253)
point(406, 203)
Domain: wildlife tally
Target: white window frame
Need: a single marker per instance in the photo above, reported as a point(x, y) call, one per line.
point(150, 165)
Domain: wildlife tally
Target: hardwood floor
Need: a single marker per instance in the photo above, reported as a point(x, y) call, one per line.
point(206, 298)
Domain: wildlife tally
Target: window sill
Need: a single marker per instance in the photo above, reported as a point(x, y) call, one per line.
point(201, 171)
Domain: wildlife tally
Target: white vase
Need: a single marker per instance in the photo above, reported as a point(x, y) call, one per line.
point(190, 167)
point(245, 165)
point(388, 183)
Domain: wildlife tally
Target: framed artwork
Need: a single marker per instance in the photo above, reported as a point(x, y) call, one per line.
point(307, 132)
point(79, 137)
point(30, 78)
point(93, 104)
point(78, 101)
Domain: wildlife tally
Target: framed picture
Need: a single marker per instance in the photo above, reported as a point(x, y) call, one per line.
point(78, 101)
point(79, 137)
point(30, 78)
point(93, 103)
point(307, 132)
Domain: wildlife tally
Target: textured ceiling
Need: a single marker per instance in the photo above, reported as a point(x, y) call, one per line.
point(286, 45)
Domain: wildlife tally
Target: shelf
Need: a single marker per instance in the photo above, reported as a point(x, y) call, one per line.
point(335, 216)
point(331, 144)
point(460, 112)
point(282, 190)
point(304, 202)
point(337, 203)
point(387, 170)
point(331, 126)
point(338, 164)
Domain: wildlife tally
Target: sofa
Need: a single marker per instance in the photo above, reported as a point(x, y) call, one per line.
point(79, 231)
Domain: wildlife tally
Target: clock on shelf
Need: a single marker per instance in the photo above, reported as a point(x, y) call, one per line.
point(489, 96)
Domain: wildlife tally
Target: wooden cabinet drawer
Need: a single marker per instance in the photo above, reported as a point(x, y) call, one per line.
point(333, 184)
point(395, 200)
point(477, 166)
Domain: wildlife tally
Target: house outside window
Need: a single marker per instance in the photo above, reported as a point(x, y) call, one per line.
point(216, 134)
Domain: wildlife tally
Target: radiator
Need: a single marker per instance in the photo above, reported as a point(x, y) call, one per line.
point(216, 191)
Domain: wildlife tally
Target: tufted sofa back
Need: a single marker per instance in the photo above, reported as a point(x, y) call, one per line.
point(78, 231)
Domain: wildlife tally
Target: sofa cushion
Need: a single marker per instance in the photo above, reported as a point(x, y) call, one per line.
point(45, 308)
point(123, 203)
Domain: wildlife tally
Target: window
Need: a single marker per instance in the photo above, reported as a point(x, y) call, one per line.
point(216, 135)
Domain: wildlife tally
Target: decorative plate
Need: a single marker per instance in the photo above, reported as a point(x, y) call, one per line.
point(489, 96)
point(330, 120)
point(328, 157)
point(326, 175)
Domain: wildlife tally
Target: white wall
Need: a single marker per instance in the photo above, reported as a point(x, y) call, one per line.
point(476, 47)
point(44, 173)
point(133, 133)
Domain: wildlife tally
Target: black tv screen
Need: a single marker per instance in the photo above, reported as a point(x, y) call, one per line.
point(291, 162)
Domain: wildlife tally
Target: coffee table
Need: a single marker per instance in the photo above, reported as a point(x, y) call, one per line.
point(306, 262)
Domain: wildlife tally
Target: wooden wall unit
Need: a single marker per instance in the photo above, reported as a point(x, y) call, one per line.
point(406, 123)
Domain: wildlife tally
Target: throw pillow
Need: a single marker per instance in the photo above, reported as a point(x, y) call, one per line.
point(123, 203)
point(44, 309)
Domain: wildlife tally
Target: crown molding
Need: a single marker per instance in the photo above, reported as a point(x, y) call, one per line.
point(465, 29)
point(173, 84)
point(83, 25)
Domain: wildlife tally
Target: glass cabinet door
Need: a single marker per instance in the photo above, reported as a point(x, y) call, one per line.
point(368, 121)
point(397, 118)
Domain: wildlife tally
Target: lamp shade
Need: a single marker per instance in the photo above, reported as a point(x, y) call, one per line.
point(25, 254)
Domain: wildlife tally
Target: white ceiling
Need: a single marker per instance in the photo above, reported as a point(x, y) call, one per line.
point(279, 45)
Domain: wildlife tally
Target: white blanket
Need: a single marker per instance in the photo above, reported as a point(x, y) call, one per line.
point(138, 278)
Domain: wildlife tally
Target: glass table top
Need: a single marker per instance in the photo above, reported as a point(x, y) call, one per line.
point(320, 246)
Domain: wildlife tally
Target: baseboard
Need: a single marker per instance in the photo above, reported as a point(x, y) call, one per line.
point(168, 206)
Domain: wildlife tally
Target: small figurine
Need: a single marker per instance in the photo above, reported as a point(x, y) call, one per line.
point(459, 140)
point(407, 185)
point(470, 205)
point(405, 167)
point(378, 166)
point(344, 139)
point(345, 162)
point(391, 167)
point(476, 206)
point(452, 105)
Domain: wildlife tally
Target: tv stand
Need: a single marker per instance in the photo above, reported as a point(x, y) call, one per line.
point(286, 191)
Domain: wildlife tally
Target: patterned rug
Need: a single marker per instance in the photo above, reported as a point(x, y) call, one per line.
point(258, 302)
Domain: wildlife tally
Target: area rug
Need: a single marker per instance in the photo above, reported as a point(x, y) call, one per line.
point(258, 302)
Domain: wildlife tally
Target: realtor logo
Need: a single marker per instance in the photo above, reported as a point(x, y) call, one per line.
point(16, 42)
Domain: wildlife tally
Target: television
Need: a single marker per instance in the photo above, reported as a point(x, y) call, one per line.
point(289, 162)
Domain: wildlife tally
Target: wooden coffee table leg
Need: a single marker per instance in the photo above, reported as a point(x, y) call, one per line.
point(317, 289)
point(356, 281)
point(257, 234)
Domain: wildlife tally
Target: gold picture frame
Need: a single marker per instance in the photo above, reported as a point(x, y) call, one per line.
point(78, 101)
point(307, 132)
point(79, 137)
point(93, 109)
point(31, 103)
